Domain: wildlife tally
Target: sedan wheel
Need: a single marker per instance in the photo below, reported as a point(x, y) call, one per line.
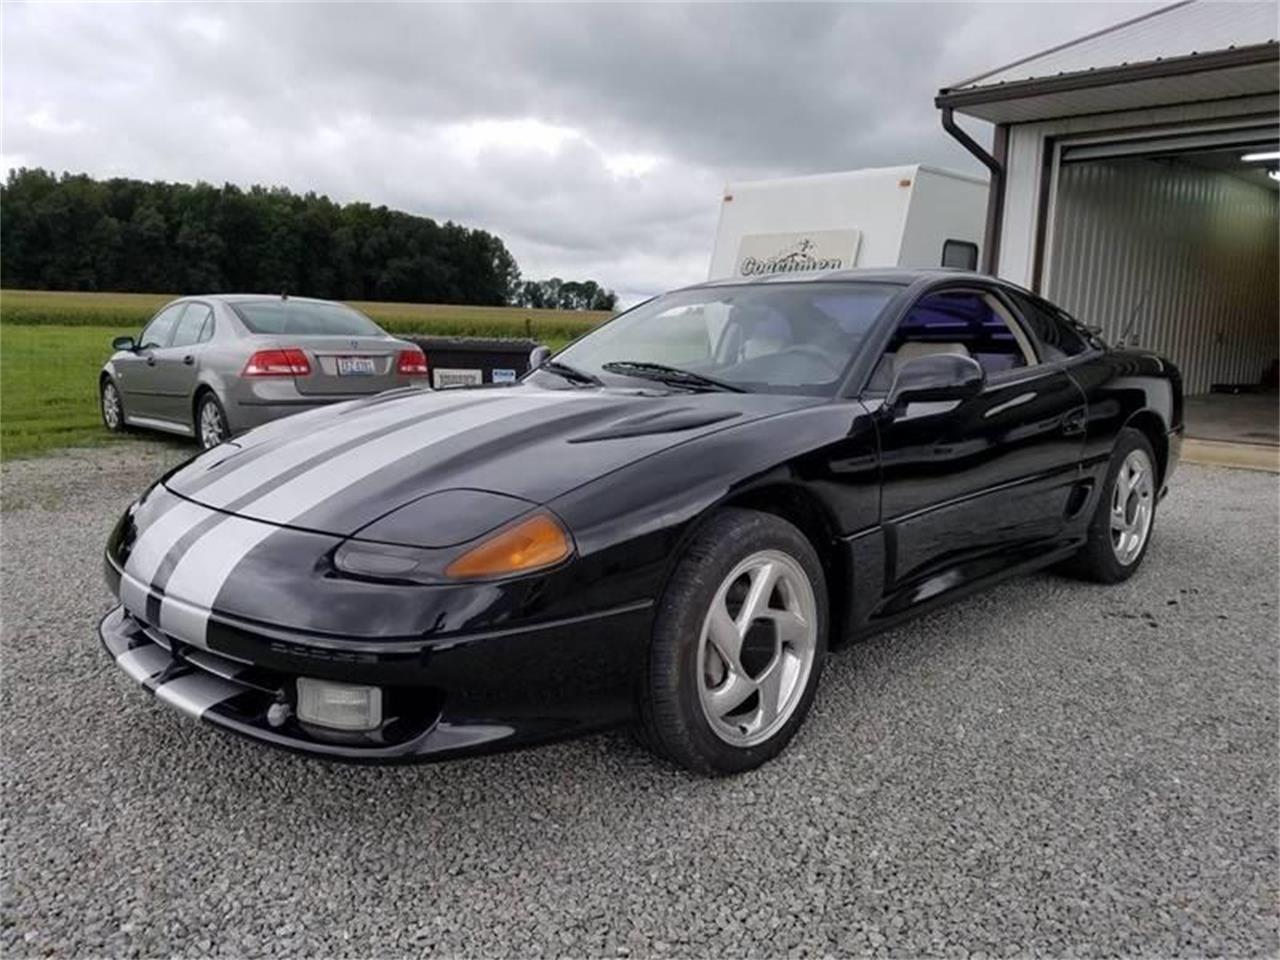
point(112, 408)
point(738, 645)
point(211, 423)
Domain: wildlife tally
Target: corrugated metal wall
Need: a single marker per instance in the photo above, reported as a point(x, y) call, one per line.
point(1203, 242)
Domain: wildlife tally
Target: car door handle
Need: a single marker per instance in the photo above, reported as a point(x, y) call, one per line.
point(1073, 424)
point(151, 361)
point(188, 359)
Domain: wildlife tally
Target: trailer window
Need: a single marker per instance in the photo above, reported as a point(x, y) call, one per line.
point(960, 254)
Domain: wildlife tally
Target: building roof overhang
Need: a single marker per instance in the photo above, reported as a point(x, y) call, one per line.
point(1218, 75)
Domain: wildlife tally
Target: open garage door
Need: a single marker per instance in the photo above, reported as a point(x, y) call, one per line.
point(1173, 232)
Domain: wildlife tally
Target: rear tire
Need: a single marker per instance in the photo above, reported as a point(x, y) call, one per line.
point(738, 645)
point(211, 426)
point(1124, 517)
point(111, 406)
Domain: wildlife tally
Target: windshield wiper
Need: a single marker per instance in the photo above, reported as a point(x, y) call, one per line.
point(572, 374)
point(672, 376)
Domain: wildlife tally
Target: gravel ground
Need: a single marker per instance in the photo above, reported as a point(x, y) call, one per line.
point(1049, 768)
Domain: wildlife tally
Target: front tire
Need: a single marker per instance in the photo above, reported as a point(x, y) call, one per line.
point(738, 645)
point(1124, 518)
point(111, 406)
point(211, 422)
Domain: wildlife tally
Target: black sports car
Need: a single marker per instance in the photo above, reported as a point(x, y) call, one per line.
point(665, 524)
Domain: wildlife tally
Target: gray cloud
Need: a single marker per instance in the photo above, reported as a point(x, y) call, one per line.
point(593, 138)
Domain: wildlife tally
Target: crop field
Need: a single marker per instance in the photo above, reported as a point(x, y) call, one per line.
point(130, 310)
point(52, 345)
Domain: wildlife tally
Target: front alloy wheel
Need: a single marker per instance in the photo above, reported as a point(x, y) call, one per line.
point(739, 640)
point(757, 648)
point(112, 408)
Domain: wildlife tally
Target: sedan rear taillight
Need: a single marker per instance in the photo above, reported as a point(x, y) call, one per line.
point(290, 362)
point(412, 363)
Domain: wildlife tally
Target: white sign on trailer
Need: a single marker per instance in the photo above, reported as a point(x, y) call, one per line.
point(763, 254)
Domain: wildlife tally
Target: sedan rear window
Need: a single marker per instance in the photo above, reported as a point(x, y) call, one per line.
point(303, 318)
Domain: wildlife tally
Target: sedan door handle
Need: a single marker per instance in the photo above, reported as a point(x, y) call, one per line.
point(188, 359)
point(151, 361)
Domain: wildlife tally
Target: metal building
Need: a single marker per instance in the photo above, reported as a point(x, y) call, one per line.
point(1134, 181)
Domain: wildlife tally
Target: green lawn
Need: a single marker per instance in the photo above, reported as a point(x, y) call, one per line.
point(49, 386)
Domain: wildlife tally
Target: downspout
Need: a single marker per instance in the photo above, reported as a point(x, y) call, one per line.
point(995, 192)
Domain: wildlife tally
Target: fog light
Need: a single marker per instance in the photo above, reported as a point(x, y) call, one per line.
point(339, 706)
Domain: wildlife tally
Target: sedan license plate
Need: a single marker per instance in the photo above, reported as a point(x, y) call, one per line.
point(355, 367)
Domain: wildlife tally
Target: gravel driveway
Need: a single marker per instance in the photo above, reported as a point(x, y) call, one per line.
point(1051, 767)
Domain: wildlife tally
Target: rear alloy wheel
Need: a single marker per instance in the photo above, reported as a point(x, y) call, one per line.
point(1133, 507)
point(112, 407)
point(738, 646)
point(211, 422)
point(1120, 530)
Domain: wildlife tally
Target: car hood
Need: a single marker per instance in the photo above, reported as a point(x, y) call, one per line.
point(461, 461)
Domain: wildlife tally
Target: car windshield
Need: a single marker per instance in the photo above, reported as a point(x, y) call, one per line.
point(303, 318)
point(774, 338)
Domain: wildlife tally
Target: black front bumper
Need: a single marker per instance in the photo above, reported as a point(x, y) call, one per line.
point(447, 697)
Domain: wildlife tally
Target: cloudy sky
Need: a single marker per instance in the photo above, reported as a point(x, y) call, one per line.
point(594, 139)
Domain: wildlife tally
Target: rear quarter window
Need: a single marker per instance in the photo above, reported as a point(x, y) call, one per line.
point(1057, 336)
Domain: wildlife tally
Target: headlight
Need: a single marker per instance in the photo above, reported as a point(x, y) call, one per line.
point(531, 544)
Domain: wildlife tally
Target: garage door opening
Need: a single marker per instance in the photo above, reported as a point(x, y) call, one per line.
point(1174, 243)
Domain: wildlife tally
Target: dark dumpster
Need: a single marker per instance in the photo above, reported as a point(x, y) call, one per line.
point(461, 361)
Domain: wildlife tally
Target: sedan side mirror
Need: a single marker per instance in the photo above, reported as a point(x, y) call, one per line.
point(539, 355)
point(124, 343)
point(934, 378)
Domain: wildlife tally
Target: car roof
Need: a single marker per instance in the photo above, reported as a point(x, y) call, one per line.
point(899, 276)
point(251, 298)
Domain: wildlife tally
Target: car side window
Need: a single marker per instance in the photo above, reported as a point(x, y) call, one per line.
point(1058, 337)
point(969, 323)
point(192, 325)
point(159, 332)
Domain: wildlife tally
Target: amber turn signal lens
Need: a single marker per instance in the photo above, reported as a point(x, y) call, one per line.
point(530, 545)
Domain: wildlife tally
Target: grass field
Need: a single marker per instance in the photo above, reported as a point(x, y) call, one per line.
point(48, 386)
point(131, 310)
point(52, 346)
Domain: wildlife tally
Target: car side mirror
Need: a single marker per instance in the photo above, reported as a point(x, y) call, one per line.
point(539, 355)
point(935, 378)
point(124, 343)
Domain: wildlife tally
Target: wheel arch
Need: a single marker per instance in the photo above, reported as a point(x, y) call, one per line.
point(1151, 425)
point(201, 390)
point(805, 511)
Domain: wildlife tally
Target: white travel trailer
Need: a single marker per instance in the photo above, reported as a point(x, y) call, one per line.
point(911, 216)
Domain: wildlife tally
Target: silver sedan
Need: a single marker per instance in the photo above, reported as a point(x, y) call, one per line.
point(211, 367)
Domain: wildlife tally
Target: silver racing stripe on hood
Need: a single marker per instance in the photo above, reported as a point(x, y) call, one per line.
point(233, 480)
point(205, 566)
point(244, 482)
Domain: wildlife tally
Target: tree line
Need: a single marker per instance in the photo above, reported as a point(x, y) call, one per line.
point(74, 232)
point(557, 294)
